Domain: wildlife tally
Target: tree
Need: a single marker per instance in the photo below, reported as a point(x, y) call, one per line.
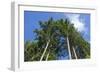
point(73, 39)
point(47, 34)
point(54, 36)
point(63, 26)
point(31, 51)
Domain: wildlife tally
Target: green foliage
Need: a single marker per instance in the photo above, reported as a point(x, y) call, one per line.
point(54, 30)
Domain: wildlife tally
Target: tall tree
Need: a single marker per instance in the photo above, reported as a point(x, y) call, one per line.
point(47, 34)
point(64, 27)
point(53, 36)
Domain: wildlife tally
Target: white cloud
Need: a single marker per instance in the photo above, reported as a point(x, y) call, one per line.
point(77, 21)
point(79, 24)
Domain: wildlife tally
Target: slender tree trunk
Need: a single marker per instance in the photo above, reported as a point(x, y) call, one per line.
point(45, 50)
point(74, 52)
point(47, 56)
point(69, 51)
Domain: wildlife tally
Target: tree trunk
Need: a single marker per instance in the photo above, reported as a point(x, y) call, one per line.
point(74, 52)
point(47, 56)
point(45, 50)
point(69, 51)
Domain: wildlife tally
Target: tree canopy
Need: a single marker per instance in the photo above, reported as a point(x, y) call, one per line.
point(54, 36)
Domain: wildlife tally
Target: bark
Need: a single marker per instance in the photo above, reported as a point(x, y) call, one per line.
point(69, 51)
point(47, 56)
point(45, 50)
point(74, 53)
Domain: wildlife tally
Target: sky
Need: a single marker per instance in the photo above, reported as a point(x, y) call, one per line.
point(81, 22)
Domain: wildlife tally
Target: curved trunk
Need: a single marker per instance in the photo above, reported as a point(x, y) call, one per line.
point(74, 52)
point(45, 50)
point(69, 51)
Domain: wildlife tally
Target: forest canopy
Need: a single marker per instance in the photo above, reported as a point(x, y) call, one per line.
point(56, 39)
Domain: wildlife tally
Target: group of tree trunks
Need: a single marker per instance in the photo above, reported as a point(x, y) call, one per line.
point(51, 37)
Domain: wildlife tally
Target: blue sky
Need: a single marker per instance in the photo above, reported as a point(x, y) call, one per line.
point(31, 18)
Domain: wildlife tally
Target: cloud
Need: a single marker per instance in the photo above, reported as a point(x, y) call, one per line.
point(78, 22)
